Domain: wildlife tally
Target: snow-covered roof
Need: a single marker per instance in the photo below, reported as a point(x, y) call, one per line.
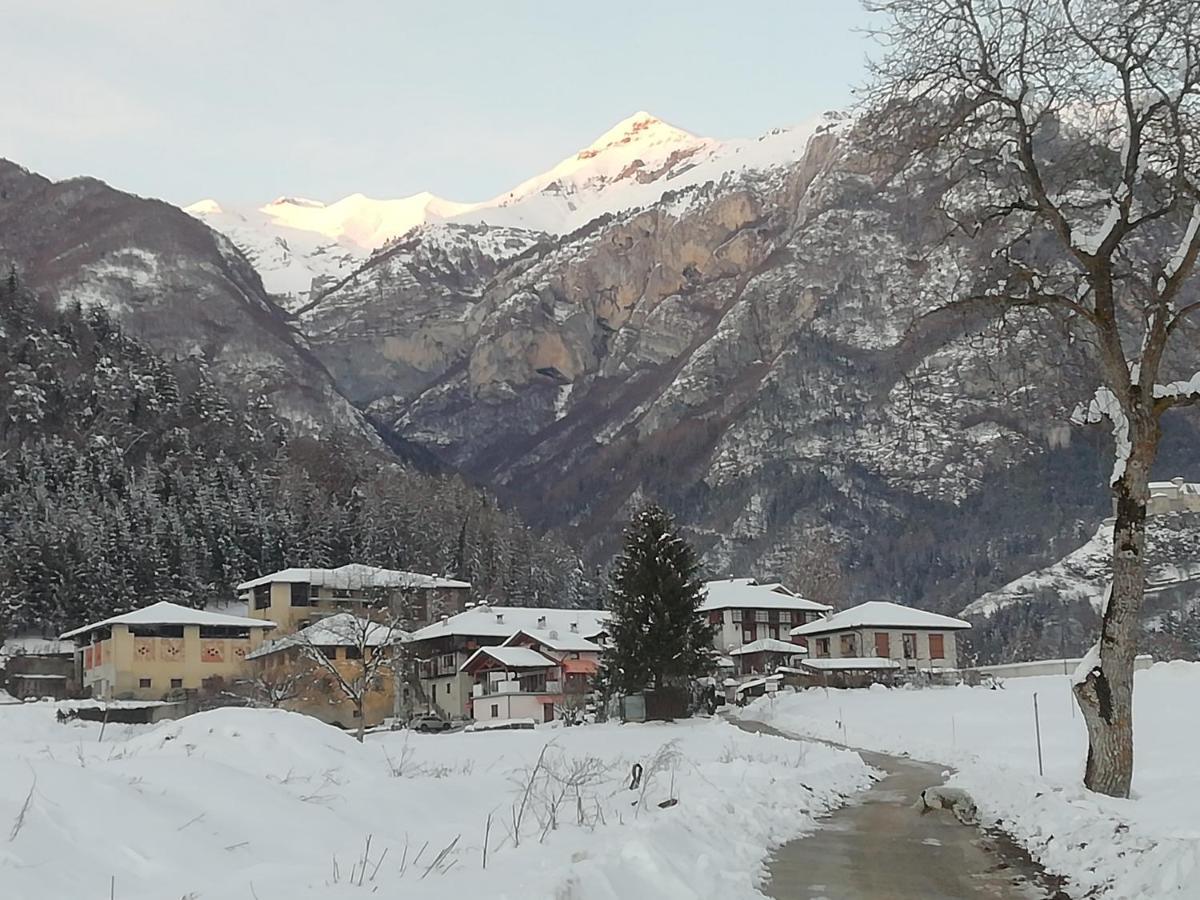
point(768, 645)
point(164, 613)
point(355, 575)
point(879, 614)
point(511, 657)
point(746, 593)
point(570, 642)
point(340, 630)
point(757, 682)
point(34, 645)
point(861, 662)
point(502, 621)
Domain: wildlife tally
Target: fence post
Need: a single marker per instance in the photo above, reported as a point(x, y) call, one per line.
point(1037, 728)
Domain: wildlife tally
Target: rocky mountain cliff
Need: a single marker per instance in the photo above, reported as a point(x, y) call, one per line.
point(766, 353)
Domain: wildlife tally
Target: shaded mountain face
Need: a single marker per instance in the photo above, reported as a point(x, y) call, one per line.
point(170, 280)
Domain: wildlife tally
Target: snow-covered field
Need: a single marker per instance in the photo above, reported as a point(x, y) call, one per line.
point(267, 805)
point(1146, 847)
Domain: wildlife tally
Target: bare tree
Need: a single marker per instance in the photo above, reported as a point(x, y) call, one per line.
point(1071, 128)
point(356, 655)
point(279, 682)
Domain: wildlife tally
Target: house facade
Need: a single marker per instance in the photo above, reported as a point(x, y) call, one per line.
point(743, 611)
point(913, 638)
point(532, 675)
point(443, 648)
point(287, 670)
point(150, 652)
point(296, 598)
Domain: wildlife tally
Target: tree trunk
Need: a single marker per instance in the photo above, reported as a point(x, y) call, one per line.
point(1105, 695)
point(362, 724)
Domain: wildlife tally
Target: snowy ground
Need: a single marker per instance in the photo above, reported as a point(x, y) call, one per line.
point(266, 805)
point(1145, 847)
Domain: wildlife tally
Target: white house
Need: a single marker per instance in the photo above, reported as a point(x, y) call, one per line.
point(744, 611)
point(913, 638)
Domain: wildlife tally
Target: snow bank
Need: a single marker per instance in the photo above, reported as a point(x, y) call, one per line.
point(270, 805)
point(1148, 846)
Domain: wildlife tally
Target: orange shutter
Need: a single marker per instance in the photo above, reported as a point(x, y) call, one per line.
point(937, 647)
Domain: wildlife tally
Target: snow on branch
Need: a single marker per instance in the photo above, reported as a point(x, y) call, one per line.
point(1179, 391)
point(1105, 405)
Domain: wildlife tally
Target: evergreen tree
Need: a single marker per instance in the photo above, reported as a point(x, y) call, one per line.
point(657, 636)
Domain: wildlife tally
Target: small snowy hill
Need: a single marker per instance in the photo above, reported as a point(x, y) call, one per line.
point(1173, 557)
point(299, 244)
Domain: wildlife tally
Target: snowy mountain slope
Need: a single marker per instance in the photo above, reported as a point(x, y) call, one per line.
point(1172, 555)
point(178, 285)
point(300, 246)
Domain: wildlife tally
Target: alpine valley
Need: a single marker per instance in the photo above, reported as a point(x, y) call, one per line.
point(746, 331)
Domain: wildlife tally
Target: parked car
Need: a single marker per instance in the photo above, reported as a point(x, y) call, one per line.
point(429, 723)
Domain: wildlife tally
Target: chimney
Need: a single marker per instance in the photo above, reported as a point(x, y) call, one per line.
point(575, 626)
point(499, 618)
point(541, 622)
point(1177, 481)
point(445, 620)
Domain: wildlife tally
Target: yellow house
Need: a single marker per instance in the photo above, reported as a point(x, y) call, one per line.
point(323, 670)
point(147, 653)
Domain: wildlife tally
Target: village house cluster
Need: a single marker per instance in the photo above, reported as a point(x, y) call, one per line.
point(357, 645)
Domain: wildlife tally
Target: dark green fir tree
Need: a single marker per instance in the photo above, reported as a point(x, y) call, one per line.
point(657, 636)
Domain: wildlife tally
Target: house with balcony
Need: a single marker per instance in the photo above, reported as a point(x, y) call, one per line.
point(148, 653)
point(296, 598)
point(743, 611)
point(443, 648)
point(910, 638)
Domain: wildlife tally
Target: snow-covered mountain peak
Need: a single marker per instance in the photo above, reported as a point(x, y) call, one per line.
point(202, 208)
point(639, 130)
point(294, 241)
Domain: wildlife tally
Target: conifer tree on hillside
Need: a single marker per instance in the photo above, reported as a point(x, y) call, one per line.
point(658, 637)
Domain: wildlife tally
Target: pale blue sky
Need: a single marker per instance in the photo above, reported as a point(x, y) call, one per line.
point(245, 100)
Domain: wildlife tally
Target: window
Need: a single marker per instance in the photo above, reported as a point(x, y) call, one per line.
point(495, 710)
point(143, 682)
point(223, 631)
point(774, 632)
point(883, 644)
point(328, 652)
point(760, 615)
point(447, 687)
point(447, 663)
point(747, 634)
point(262, 596)
point(354, 653)
point(910, 646)
point(785, 616)
point(355, 713)
point(937, 647)
point(171, 631)
point(737, 615)
point(300, 594)
point(849, 645)
point(822, 646)
point(176, 683)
